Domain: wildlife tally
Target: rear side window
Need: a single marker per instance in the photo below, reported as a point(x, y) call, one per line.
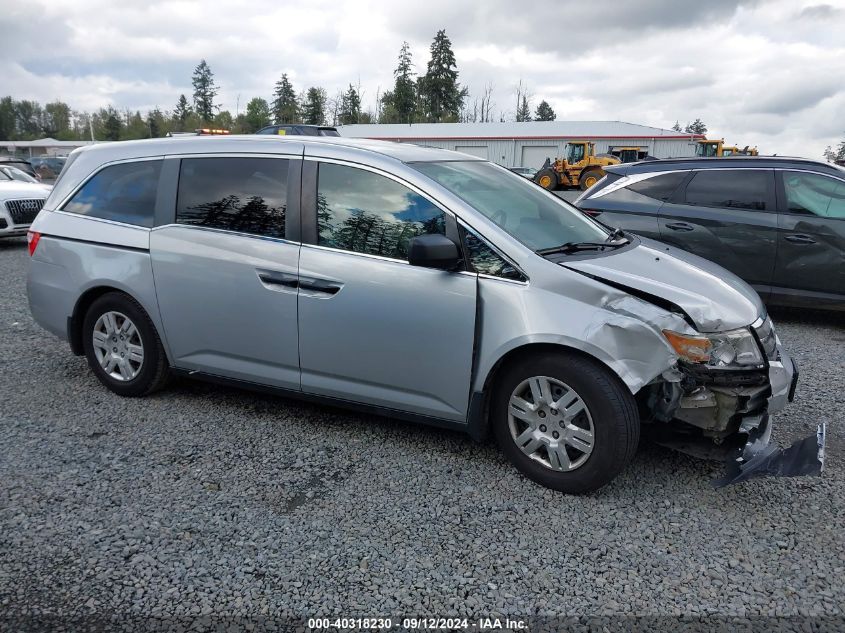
point(363, 212)
point(729, 188)
point(121, 193)
point(811, 194)
point(245, 195)
point(660, 187)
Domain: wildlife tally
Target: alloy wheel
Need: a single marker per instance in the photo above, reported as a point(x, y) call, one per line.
point(118, 346)
point(551, 423)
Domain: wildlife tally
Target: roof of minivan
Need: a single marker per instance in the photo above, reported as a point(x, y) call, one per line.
point(671, 164)
point(404, 152)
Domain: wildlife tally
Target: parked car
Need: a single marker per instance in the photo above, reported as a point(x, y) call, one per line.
point(48, 167)
point(778, 223)
point(525, 172)
point(299, 129)
point(21, 198)
point(19, 163)
point(412, 282)
point(13, 173)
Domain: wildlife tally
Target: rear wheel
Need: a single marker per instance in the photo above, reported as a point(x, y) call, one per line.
point(547, 179)
point(565, 421)
point(590, 178)
point(122, 346)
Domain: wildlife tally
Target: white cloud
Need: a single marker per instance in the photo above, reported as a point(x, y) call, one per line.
point(764, 73)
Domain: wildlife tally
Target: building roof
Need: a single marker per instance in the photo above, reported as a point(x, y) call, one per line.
point(45, 142)
point(512, 130)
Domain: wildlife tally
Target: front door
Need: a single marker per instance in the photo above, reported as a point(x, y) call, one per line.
point(372, 328)
point(811, 237)
point(225, 276)
point(729, 217)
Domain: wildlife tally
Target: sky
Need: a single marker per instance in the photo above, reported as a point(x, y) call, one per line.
point(757, 72)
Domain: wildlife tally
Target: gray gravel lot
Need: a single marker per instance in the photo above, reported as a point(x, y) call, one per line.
point(204, 500)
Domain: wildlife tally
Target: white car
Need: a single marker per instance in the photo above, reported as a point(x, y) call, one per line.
point(20, 201)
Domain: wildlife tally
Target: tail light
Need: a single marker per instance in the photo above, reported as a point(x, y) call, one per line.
point(593, 213)
point(32, 241)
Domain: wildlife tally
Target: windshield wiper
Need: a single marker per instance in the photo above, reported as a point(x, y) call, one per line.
point(614, 240)
point(573, 247)
point(616, 234)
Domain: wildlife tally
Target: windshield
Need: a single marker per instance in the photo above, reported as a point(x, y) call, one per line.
point(576, 153)
point(535, 217)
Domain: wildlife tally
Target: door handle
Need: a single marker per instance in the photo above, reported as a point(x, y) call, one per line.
point(281, 281)
point(799, 238)
point(680, 226)
point(321, 286)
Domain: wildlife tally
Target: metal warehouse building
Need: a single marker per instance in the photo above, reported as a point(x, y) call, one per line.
point(529, 144)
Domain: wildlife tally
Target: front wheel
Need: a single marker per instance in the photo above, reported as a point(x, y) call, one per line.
point(565, 421)
point(590, 178)
point(547, 179)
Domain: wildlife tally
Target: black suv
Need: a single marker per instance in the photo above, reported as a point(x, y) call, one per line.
point(779, 223)
point(301, 129)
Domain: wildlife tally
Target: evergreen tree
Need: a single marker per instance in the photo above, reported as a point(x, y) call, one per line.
point(181, 113)
point(677, 126)
point(155, 123)
point(440, 94)
point(404, 95)
point(544, 112)
point(257, 115)
point(112, 124)
point(350, 107)
point(204, 92)
point(314, 107)
point(285, 104)
point(524, 112)
point(696, 127)
point(8, 129)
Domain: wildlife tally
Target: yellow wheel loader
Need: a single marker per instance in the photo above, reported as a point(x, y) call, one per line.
point(718, 149)
point(580, 168)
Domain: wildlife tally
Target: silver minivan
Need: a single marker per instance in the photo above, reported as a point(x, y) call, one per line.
point(410, 282)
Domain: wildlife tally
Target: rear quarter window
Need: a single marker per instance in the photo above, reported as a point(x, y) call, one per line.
point(125, 193)
point(729, 189)
point(659, 187)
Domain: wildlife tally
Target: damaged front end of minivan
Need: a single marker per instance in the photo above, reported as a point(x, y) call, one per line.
point(719, 399)
point(714, 397)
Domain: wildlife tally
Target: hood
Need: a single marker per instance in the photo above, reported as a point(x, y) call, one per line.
point(713, 298)
point(12, 189)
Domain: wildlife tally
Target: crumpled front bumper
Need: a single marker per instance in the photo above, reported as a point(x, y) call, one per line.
point(758, 457)
point(730, 419)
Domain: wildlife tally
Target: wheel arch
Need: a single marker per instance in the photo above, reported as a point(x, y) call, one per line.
point(84, 302)
point(479, 418)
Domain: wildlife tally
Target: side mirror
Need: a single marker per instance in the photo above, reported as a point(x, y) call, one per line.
point(434, 251)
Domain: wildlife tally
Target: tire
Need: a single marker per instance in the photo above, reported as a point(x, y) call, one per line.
point(609, 410)
point(547, 176)
point(589, 178)
point(115, 315)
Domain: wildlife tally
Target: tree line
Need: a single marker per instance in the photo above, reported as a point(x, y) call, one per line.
point(435, 96)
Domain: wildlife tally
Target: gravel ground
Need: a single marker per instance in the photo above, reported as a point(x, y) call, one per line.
point(209, 501)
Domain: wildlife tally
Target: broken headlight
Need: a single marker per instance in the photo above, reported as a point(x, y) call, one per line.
point(735, 349)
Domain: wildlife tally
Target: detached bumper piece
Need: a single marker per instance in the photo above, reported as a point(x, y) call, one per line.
point(760, 458)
